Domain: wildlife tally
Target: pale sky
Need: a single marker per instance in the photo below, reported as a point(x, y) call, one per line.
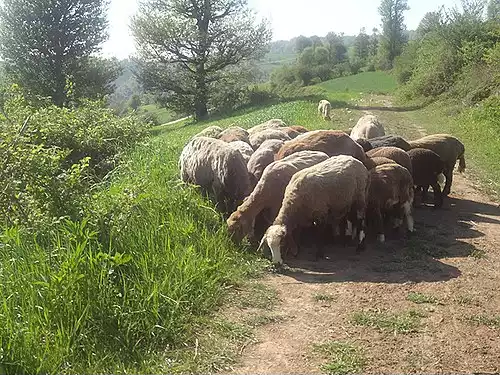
point(289, 18)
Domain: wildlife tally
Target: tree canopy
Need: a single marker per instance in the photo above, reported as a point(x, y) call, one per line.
point(393, 31)
point(45, 42)
point(186, 48)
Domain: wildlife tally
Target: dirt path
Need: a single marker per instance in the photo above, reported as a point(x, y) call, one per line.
point(453, 259)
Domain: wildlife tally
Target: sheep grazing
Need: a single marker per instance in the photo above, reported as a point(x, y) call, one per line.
point(372, 162)
point(427, 166)
point(324, 108)
point(262, 157)
point(218, 169)
point(391, 190)
point(326, 191)
point(211, 132)
point(271, 124)
point(244, 148)
point(331, 142)
point(234, 133)
point(390, 141)
point(449, 149)
point(367, 127)
point(256, 139)
point(267, 196)
point(393, 153)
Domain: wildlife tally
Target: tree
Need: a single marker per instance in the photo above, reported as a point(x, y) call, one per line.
point(301, 43)
point(336, 48)
point(185, 47)
point(393, 30)
point(493, 11)
point(362, 47)
point(430, 22)
point(44, 42)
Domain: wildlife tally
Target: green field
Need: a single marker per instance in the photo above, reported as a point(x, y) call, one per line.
point(366, 82)
point(143, 300)
point(163, 115)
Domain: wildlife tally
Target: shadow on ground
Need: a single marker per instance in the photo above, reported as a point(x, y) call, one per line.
point(440, 233)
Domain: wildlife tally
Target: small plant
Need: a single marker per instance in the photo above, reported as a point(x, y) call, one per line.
point(420, 298)
point(404, 323)
point(263, 319)
point(324, 298)
point(492, 322)
point(342, 357)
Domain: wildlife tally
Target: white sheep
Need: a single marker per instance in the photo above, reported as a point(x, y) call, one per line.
point(271, 124)
point(267, 196)
point(218, 169)
point(326, 191)
point(256, 139)
point(244, 148)
point(324, 108)
point(211, 131)
point(367, 127)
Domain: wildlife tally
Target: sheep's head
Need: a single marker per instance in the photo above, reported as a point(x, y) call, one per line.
point(238, 225)
point(274, 239)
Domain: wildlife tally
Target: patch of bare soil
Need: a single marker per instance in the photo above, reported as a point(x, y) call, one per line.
point(453, 258)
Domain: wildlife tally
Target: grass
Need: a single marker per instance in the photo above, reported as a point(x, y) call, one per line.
point(324, 298)
point(489, 321)
point(402, 323)
point(340, 357)
point(365, 82)
point(163, 115)
point(420, 298)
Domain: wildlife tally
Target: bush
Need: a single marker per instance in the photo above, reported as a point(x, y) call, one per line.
point(56, 156)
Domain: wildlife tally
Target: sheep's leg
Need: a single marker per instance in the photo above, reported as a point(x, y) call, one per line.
point(438, 196)
point(342, 227)
point(378, 222)
point(293, 243)
point(448, 173)
point(425, 190)
point(408, 217)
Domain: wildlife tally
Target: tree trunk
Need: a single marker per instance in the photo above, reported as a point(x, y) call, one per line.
point(201, 112)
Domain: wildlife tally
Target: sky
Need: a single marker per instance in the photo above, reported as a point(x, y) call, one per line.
point(288, 18)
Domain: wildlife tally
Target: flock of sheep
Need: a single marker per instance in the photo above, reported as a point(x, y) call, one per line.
point(272, 181)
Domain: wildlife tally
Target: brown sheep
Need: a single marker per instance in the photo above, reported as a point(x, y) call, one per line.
point(268, 194)
point(390, 140)
point(327, 191)
point(372, 162)
point(262, 157)
point(331, 142)
point(391, 189)
point(299, 128)
point(393, 153)
point(427, 166)
point(449, 149)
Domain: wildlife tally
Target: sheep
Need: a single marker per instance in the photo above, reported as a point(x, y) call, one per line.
point(449, 149)
point(292, 133)
point(331, 142)
point(324, 108)
point(268, 194)
point(391, 189)
point(372, 162)
point(244, 148)
point(328, 190)
point(393, 153)
point(217, 168)
point(365, 143)
point(368, 126)
point(390, 140)
point(262, 157)
point(234, 133)
point(427, 166)
point(211, 132)
point(256, 139)
point(271, 124)
point(299, 128)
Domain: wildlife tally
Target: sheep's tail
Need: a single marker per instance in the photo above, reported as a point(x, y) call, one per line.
point(461, 163)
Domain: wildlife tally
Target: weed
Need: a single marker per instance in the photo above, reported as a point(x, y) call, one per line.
point(324, 298)
point(263, 319)
point(403, 323)
point(493, 321)
point(420, 298)
point(341, 357)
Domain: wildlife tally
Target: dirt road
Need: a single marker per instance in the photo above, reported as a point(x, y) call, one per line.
point(452, 264)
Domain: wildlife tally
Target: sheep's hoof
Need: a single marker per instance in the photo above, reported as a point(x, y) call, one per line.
point(381, 238)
